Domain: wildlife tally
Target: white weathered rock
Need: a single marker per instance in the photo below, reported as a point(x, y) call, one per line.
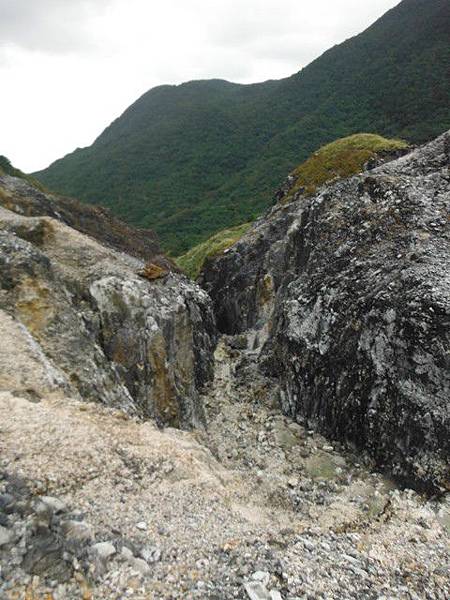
point(126, 553)
point(150, 554)
point(81, 319)
point(256, 591)
point(6, 536)
point(261, 576)
point(140, 566)
point(103, 550)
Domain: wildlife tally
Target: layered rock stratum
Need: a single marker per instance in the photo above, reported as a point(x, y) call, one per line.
point(350, 291)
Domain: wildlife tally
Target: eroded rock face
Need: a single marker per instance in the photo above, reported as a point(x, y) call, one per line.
point(358, 322)
point(76, 317)
point(20, 197)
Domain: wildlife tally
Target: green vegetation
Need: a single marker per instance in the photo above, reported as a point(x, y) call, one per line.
point(6, 168)
point(341, 158)
point(192, 159)
point(193, 261)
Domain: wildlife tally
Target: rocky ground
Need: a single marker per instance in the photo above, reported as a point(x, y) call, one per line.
point(95, 504)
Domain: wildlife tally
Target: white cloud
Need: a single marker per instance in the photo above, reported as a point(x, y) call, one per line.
point(49, 25)
point(69, 67)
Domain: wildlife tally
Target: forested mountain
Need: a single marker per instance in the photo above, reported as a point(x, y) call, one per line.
point(339, 159)
point(189, 160)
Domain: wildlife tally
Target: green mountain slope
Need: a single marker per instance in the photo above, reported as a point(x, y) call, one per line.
point(192, 159)
point(341, 158)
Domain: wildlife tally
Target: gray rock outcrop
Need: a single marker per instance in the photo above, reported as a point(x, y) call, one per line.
point(350, 290)
point(76, 317)
point(17, 195)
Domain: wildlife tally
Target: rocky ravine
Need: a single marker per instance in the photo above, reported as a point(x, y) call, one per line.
point(350, 292)
point(102, 496)
point(97, 505)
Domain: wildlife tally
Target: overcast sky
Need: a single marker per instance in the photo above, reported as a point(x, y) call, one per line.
point(69, 67)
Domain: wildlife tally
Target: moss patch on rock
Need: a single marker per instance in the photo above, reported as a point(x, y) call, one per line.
point(340, 159)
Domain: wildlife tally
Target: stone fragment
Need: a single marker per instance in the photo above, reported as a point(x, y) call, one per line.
point(6, 503)
point(261, 576)
point(152, 271)
point(6, 536)
point(256, 591)
point(56, 505)
point(103, 550)
point(150, 554)
point(126, 553)
point(140, 565)
point(443, 516)
point(77, 533)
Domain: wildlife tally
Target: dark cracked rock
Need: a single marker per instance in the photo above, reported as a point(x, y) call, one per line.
point(351, 290)
point(44, 557)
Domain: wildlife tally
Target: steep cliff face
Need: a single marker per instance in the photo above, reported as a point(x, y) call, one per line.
point(243, 281)
point(351, 289)
point(78, 317)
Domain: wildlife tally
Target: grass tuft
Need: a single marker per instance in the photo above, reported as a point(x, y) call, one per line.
point(192, 262)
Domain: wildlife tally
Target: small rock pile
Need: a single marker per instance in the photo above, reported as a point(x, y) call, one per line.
point(43, 541)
